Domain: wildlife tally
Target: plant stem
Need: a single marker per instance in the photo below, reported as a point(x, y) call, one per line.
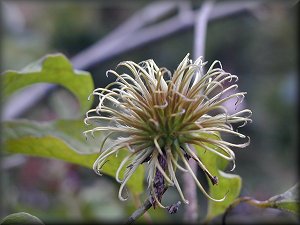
point(137, 203)
point(139, 212)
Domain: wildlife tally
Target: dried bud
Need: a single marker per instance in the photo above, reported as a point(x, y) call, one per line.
point(174, 207)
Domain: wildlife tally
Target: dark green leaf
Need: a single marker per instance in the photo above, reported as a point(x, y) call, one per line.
point(54, 68)
point(20, 218)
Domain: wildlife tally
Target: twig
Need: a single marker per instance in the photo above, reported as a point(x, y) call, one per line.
point(12, 161)
point(138, 202)
point(201, 22)
point(122, 34)
point(139, 212)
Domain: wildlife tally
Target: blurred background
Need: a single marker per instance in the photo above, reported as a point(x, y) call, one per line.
point(258, 42)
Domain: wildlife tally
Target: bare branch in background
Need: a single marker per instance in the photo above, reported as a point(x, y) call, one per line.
point(12, 161)
point(123, 33)
point(201, 22)
point(117, 43)
point(155, 32)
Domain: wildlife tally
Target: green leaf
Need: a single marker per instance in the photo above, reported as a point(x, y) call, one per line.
point(20, 218)
point(53, 68)
point(229, 184)
point(62, 140)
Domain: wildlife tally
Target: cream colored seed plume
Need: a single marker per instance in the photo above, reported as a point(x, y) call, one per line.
point(151, 113)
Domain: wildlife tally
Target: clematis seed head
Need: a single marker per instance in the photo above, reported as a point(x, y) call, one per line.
point(158, 117)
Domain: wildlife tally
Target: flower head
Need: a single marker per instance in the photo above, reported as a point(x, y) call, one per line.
point(159, 116)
